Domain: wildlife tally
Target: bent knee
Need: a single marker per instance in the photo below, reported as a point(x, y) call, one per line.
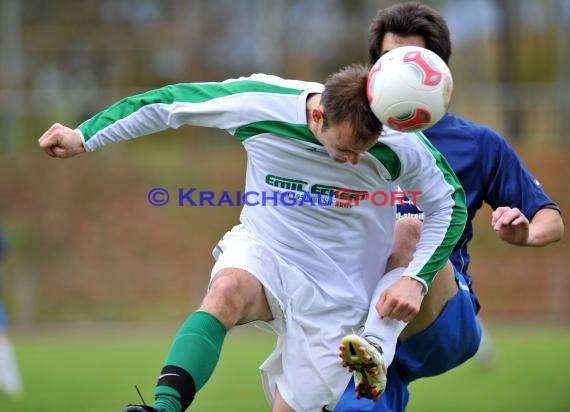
point(236, 296)
point(407, 233)
point(234, 287)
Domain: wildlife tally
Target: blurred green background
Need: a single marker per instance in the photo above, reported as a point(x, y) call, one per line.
point(85, 246)
point(94, 368)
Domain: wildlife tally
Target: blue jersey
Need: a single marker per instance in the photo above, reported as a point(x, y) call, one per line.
point(490, 172)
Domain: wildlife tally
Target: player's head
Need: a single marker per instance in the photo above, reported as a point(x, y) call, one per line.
point(348, 125)
point(409, 24)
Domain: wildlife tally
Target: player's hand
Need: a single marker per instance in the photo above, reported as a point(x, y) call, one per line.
point(402, 300)
point(60, 141)
point(511, 225)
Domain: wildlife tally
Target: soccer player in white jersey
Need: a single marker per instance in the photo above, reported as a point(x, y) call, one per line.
point(313, 244)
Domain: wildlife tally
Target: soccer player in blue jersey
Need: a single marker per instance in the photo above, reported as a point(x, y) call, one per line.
point(446, 332)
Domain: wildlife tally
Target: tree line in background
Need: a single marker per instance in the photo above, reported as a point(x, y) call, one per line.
point(68, 58)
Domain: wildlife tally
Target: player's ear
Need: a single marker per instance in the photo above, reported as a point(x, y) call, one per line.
point(317, 114)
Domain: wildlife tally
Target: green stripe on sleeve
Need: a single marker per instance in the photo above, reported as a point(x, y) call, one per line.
point(458, 216)
point(182, 92)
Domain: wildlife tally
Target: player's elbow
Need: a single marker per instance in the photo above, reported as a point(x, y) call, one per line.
point(556, 227)
point(546, 227)
point(559, 230)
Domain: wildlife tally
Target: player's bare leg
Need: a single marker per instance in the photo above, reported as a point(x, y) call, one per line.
point(236, 297)
point(280, 405)
point(406, 236)
point(443, 288)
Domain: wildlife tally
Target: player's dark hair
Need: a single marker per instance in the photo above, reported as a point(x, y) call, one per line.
point(345, 100)
point(410, 19)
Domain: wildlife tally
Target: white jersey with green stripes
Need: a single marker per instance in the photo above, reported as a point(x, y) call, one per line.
point(342, 248)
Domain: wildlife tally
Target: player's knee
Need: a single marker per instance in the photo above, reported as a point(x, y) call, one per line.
point(232, 295)
point(226, 298)
point(410, 229)
point(407, 233)
point(228, 286)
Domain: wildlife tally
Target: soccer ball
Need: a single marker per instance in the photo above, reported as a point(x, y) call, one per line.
point(409, 88)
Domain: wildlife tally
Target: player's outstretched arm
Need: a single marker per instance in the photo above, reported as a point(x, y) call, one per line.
point(512, 226)
point(61, 141)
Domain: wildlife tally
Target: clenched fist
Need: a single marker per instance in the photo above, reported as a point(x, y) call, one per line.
point(61, 141)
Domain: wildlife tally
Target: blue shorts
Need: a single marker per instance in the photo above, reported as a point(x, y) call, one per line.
point(453, 338)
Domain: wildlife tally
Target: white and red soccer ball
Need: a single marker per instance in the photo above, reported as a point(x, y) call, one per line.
point(409, 88)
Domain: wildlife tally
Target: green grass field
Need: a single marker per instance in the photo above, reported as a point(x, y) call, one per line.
point(94, 369)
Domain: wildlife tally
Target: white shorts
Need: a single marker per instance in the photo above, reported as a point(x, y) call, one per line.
point(305, 365)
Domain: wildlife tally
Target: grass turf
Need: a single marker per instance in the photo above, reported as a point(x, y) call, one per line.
point(94, 369)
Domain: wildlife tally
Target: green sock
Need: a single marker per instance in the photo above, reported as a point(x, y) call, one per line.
point(190, 361)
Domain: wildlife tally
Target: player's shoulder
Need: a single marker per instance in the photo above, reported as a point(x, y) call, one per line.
point(480, 134)
point(401, 141)
point(399, 148)
point(394, 135)
point(483, 144)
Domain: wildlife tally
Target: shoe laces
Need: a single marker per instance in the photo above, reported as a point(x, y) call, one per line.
point(375, 345)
